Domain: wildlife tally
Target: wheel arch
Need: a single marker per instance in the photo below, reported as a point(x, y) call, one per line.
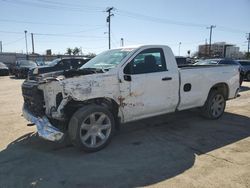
point(223, 87)
point(109, 103)
point(248, 72)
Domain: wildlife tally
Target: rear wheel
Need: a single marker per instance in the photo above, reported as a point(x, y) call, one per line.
point(91, 128)
point(214, 106)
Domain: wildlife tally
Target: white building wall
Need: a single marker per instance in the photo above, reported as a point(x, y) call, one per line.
point(232, 52)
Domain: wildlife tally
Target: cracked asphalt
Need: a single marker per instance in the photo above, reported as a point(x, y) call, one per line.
point(174, 150)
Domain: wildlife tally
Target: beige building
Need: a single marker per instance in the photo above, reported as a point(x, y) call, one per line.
point(220, 49)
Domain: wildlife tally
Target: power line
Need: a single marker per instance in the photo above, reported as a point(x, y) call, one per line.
point(83, 31)
point(155, 19)
point(114, 38)
point(11, 32)
point(12, 42)
point(148, 18)
point(66, 35)
point(227, 29)
point(46, 23)
point(69, 4)
point(57, 34)
point(51, 6)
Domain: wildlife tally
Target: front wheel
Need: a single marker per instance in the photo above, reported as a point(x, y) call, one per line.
point(241, 79)
point(248, 76)
point(91, 128)
point(214, 106)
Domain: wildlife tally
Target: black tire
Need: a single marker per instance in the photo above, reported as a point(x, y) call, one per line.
point(81, 119)
point(208, 110)
point(19, 75)
point(241, 79)
point(248, 76)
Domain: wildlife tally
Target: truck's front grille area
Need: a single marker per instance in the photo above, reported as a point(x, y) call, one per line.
point(33, 98)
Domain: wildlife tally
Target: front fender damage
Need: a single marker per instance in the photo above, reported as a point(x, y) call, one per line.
point(57, 94)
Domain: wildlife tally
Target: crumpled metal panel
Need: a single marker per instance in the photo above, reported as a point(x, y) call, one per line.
point(44, 128)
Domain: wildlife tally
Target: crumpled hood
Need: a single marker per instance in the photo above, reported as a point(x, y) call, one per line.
point(4, 68)
point(25, 67)
point(61, 75)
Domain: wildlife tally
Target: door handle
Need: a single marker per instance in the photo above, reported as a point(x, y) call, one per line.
point(166, 78)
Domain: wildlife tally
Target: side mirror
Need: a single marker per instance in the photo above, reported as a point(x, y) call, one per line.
point(127, 78)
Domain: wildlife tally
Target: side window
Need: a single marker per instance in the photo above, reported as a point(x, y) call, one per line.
point(245, 63)
point(65, 64)
point(148, 61)
point(76, 63)
point(228, 62)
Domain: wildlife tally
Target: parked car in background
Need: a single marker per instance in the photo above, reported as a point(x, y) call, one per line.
point(183, 60)
point(246, 68)
point(4, 70)
point(23, 67)
point(57, 65)
point(223, 62)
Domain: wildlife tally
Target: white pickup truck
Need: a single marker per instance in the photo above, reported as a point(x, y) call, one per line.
point(123, 85)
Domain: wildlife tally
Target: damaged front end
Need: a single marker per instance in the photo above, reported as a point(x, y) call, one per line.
point(45, 101)
point(34, 110)
point(44, 128)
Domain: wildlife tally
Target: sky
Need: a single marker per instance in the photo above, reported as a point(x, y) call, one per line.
point(180, 24)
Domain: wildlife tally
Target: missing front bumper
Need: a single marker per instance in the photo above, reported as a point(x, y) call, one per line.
point(44, 128)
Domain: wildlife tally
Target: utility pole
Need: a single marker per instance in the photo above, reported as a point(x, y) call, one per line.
point(25, 33)
point(248, 46)
point(210, 38)
point(109, 9)
point(205, 48)
point(32, 40)
point(1, 47)
point(122, 42)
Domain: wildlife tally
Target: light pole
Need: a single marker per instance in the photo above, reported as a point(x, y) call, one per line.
point(25, 33)
point(122, 42)
point(179, 48)
point(1, 47)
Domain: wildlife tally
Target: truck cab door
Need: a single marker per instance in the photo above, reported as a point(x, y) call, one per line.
point(147, 87)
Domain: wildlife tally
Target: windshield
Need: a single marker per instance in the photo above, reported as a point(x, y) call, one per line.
point(2, 65)
point(29, 63)
point(108, 59)
point(54, 62)
point(206, 62)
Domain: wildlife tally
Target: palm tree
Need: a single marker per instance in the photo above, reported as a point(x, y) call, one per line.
point(69, 51)
point(76, 51)
point(91, 55)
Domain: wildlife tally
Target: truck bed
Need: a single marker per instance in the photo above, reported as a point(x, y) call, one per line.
point(200, 78)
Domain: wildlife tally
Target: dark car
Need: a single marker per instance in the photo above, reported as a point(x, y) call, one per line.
point(57, 65)
point(23, 67)
point(4, 70)
point(223, 62)
point(246, 68)
point(180, 60)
